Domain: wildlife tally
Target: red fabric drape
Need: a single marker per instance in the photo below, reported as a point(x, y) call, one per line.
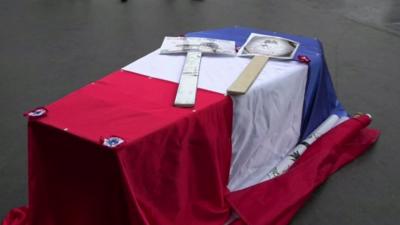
point(172, 169)
point(275, 202)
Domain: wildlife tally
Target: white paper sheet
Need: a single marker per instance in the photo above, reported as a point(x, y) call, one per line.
point(175, 45)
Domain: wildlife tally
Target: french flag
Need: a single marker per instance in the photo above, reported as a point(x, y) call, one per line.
point(253, 159)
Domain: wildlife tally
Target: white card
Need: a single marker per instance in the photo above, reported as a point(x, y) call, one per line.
point(174, 45)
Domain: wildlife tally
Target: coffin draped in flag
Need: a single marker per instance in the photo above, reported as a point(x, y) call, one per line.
point(117, 152)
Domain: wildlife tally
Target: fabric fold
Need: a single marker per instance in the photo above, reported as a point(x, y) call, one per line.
point(17, 216)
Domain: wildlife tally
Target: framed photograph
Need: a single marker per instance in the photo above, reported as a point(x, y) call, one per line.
point(271, 46)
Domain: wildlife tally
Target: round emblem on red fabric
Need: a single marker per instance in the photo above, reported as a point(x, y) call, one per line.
point(112, 142)
point(37, 113)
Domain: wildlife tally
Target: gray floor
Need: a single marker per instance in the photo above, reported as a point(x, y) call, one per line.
point(49, 48)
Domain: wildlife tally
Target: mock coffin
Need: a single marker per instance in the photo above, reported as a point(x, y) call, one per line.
point(118, 152)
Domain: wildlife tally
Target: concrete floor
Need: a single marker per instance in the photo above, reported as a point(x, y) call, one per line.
point(49, 48)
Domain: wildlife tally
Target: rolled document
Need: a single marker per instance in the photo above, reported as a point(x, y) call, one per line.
point(341, 120)
point(297, 151)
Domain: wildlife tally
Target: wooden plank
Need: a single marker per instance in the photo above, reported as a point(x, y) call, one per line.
point(248, 75)
point(186, 93)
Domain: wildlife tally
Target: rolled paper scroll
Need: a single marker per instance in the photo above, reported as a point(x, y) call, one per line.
point(297, 151)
